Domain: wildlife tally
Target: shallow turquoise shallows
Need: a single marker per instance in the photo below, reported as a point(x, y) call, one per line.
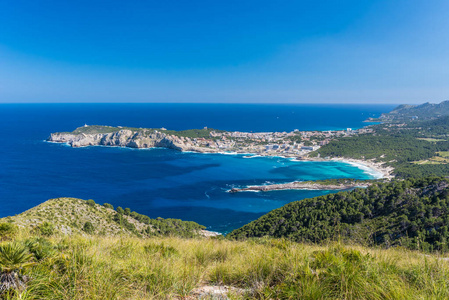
point(160, 182)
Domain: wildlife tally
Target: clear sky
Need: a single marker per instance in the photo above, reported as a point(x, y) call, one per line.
point(340, 51)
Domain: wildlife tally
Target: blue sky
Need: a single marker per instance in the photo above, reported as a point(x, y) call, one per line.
point(224, 51)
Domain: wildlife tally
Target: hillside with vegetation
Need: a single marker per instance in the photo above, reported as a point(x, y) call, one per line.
point(70, 248)
point(424, 111)
point(410, 213)
point(43, 265)
point(77, 216)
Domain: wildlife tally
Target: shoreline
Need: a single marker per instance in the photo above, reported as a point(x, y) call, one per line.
point(374, 169)
point(378, 170)
point(127, 137)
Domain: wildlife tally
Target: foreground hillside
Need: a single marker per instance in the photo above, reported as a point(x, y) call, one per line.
point(77, 216)
point(99, 267)
point(70, 248)
point(411, 213)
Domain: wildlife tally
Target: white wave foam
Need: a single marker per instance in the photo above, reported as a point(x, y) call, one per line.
point(229, 153)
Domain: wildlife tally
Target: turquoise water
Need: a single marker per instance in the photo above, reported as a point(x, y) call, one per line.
point(160, 182)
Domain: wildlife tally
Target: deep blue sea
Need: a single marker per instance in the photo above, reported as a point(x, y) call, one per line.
point(161, 182)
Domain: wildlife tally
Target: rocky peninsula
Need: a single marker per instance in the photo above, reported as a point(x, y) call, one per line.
point(125, 137)
point(290, 144)
point(304, 185)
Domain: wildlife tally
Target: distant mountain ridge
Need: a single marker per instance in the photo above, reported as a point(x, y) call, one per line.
point(424, 111)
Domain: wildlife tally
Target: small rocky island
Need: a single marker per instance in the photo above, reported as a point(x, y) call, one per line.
point(340, 184)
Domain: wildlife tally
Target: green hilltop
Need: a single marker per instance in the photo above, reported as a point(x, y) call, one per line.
point(70, 216)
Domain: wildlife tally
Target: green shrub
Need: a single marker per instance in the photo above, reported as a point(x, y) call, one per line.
point(40, 247)
point(46, 229)
point(122, 221)
point(91, 202)
point(88, 228)
point(14, 259)
point(7, 231)
point(107, 205)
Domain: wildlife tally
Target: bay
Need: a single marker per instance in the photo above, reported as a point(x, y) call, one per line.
point(161, 182)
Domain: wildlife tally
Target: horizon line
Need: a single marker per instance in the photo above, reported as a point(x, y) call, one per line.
point(243, 103)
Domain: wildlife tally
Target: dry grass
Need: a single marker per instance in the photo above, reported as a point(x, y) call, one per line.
point(441, 158)
point(99, 267)
point(432, 140)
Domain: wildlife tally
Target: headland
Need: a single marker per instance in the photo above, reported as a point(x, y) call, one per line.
point(297, 145)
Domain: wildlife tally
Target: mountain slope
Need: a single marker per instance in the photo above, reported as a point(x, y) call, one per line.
point(423, 111)
point(411, 213)
point(70, 216)
point(95, 266)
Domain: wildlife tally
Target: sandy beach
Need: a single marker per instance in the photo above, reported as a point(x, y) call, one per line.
point(380, 171)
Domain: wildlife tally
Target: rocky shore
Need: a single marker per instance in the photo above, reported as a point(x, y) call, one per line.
point(297, 185)
point(127, 138)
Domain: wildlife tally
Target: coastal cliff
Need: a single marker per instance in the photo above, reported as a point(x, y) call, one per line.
point(142, 138)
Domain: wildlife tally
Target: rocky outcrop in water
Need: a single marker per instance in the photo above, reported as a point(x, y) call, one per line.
point(308, 185)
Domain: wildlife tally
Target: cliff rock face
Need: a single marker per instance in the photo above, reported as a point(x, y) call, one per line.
point(126, 138)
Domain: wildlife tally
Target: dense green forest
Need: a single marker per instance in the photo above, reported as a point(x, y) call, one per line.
point(158, 226)
point(412, 213)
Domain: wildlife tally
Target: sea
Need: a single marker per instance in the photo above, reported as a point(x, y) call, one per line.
point(161, 182)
